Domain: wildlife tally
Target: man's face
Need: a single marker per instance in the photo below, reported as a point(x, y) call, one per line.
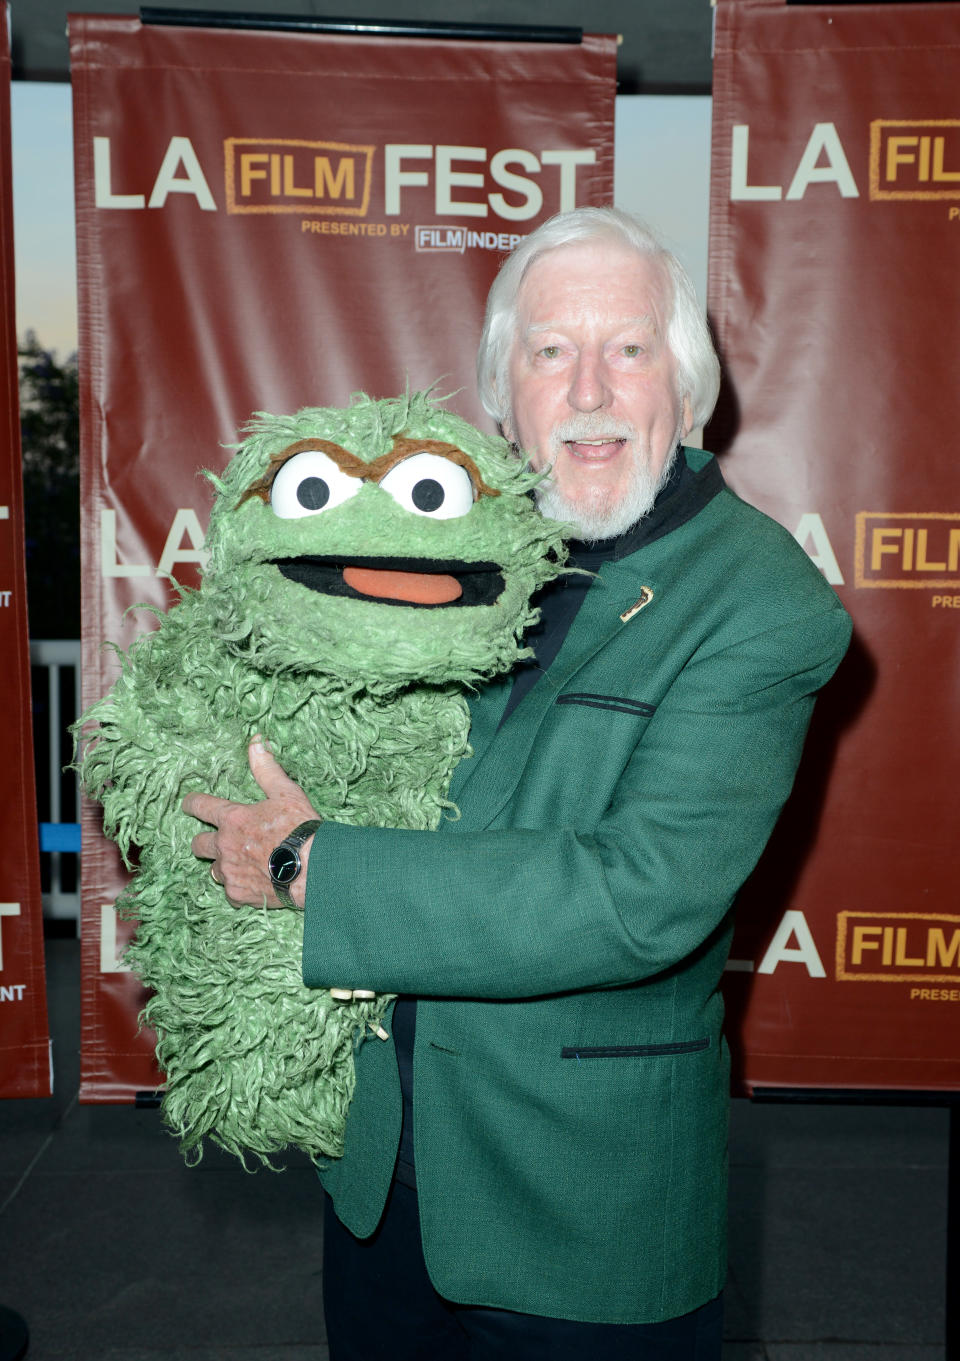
point(593, 384)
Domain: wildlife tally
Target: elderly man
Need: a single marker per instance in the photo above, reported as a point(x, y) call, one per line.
point(535, 1165)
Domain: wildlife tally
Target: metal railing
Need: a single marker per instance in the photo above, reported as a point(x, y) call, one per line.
point(55, 677)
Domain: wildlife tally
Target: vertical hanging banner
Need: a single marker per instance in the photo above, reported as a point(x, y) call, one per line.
point(24, 1039)
point(271, 220)
point(835, 295)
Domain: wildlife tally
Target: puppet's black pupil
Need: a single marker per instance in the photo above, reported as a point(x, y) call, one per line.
point(313, 493)
point(427, 494)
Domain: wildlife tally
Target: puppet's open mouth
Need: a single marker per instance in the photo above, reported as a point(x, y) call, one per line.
point(422, 582)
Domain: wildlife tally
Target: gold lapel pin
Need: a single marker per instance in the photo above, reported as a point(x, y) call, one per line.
point(644, 598)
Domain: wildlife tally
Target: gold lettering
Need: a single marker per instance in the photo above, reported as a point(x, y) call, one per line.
point(908, 550)
point(888, 945)
point(326, 183)
point(938, 171)
point(275, 174)
point(903, 959)
point(289, 188)
point(896, 156)
point(923, 565)
point(923, 170)
point(953, 550)
point(248, 173)
point(861, 941)
point(938, 952)
point(880, 546)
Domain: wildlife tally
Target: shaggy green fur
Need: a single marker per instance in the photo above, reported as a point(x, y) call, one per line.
point(362, 703)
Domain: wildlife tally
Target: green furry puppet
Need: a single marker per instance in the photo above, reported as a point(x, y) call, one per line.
point(367, 567)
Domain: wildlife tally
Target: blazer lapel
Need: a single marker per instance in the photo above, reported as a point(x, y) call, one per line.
point(486, 781)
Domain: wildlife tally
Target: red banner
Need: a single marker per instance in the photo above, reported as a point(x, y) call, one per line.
point(24, 1040)
point(835, 294)
point(268, 221)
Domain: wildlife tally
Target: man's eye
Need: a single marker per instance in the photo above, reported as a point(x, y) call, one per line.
point(633, 350)
point(310, 482)
point(430, 485)
point(550, 351)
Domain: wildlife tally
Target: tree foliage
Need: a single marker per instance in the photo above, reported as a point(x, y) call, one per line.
point(50, 439)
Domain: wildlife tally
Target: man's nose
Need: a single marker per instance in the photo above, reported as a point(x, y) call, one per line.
point(589, 386)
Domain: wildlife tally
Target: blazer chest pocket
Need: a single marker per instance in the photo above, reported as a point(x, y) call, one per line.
point(622, 704)
point(636, 1051)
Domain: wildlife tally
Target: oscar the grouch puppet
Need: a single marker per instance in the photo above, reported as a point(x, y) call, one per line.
point(369, 567)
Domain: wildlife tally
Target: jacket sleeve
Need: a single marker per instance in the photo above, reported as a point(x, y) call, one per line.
point(514, 912)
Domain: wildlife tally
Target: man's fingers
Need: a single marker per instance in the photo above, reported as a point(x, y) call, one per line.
point(205, 807)
point(204, 846)
point(268, 772)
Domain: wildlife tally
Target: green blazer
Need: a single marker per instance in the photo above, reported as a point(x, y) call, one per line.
point(567, 934)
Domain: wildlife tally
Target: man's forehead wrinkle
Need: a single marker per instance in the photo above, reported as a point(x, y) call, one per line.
point(647, 319)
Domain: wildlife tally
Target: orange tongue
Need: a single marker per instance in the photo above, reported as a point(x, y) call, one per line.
point(422, 588)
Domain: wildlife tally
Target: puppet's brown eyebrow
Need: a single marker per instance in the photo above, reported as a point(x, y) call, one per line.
point(405, 446)
point(347, 463)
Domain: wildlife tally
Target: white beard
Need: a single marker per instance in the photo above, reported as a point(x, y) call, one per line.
point(598, 513)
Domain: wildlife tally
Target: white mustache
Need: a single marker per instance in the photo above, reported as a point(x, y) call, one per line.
point(591, 426)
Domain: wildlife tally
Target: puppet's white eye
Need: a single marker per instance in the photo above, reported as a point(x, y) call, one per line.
point(429, 484)
point(310, 482)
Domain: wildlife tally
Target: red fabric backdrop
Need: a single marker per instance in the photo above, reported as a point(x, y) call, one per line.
point(269, 221)
point(835, 294)
point(24, 1041)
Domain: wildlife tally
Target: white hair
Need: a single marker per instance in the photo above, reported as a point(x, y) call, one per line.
point(688, 337)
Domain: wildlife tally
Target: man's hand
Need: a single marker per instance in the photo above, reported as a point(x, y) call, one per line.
point(246, 833)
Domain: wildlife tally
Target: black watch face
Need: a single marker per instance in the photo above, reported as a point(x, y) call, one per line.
point(284, 865)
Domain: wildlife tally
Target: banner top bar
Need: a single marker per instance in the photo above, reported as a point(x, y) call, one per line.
point(375, 28)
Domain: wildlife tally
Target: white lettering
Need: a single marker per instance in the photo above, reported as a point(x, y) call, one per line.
point(518, 184)
point(6, 910)
point(13, 993)
point(109, 963)
point(823, 140)
point(179, 153)
point(794, 923)
point(394, 178)
point(184, 522)
point(109, 565)
point(447, 178)
point(103, 195)
point(821, 552)
point(739, 188)
point(568, 160)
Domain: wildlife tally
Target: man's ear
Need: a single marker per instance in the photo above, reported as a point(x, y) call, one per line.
point(687, 414)
point(506, 427)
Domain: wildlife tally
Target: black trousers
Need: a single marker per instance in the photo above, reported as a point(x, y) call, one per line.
point(379, 1302)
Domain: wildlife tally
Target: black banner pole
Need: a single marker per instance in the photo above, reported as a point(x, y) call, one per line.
point(374, 28)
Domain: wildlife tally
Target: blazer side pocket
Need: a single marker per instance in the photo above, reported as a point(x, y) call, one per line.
point(636, 1051)
point(620, 703)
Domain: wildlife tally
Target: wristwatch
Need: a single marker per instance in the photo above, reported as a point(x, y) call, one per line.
point(285, 864)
